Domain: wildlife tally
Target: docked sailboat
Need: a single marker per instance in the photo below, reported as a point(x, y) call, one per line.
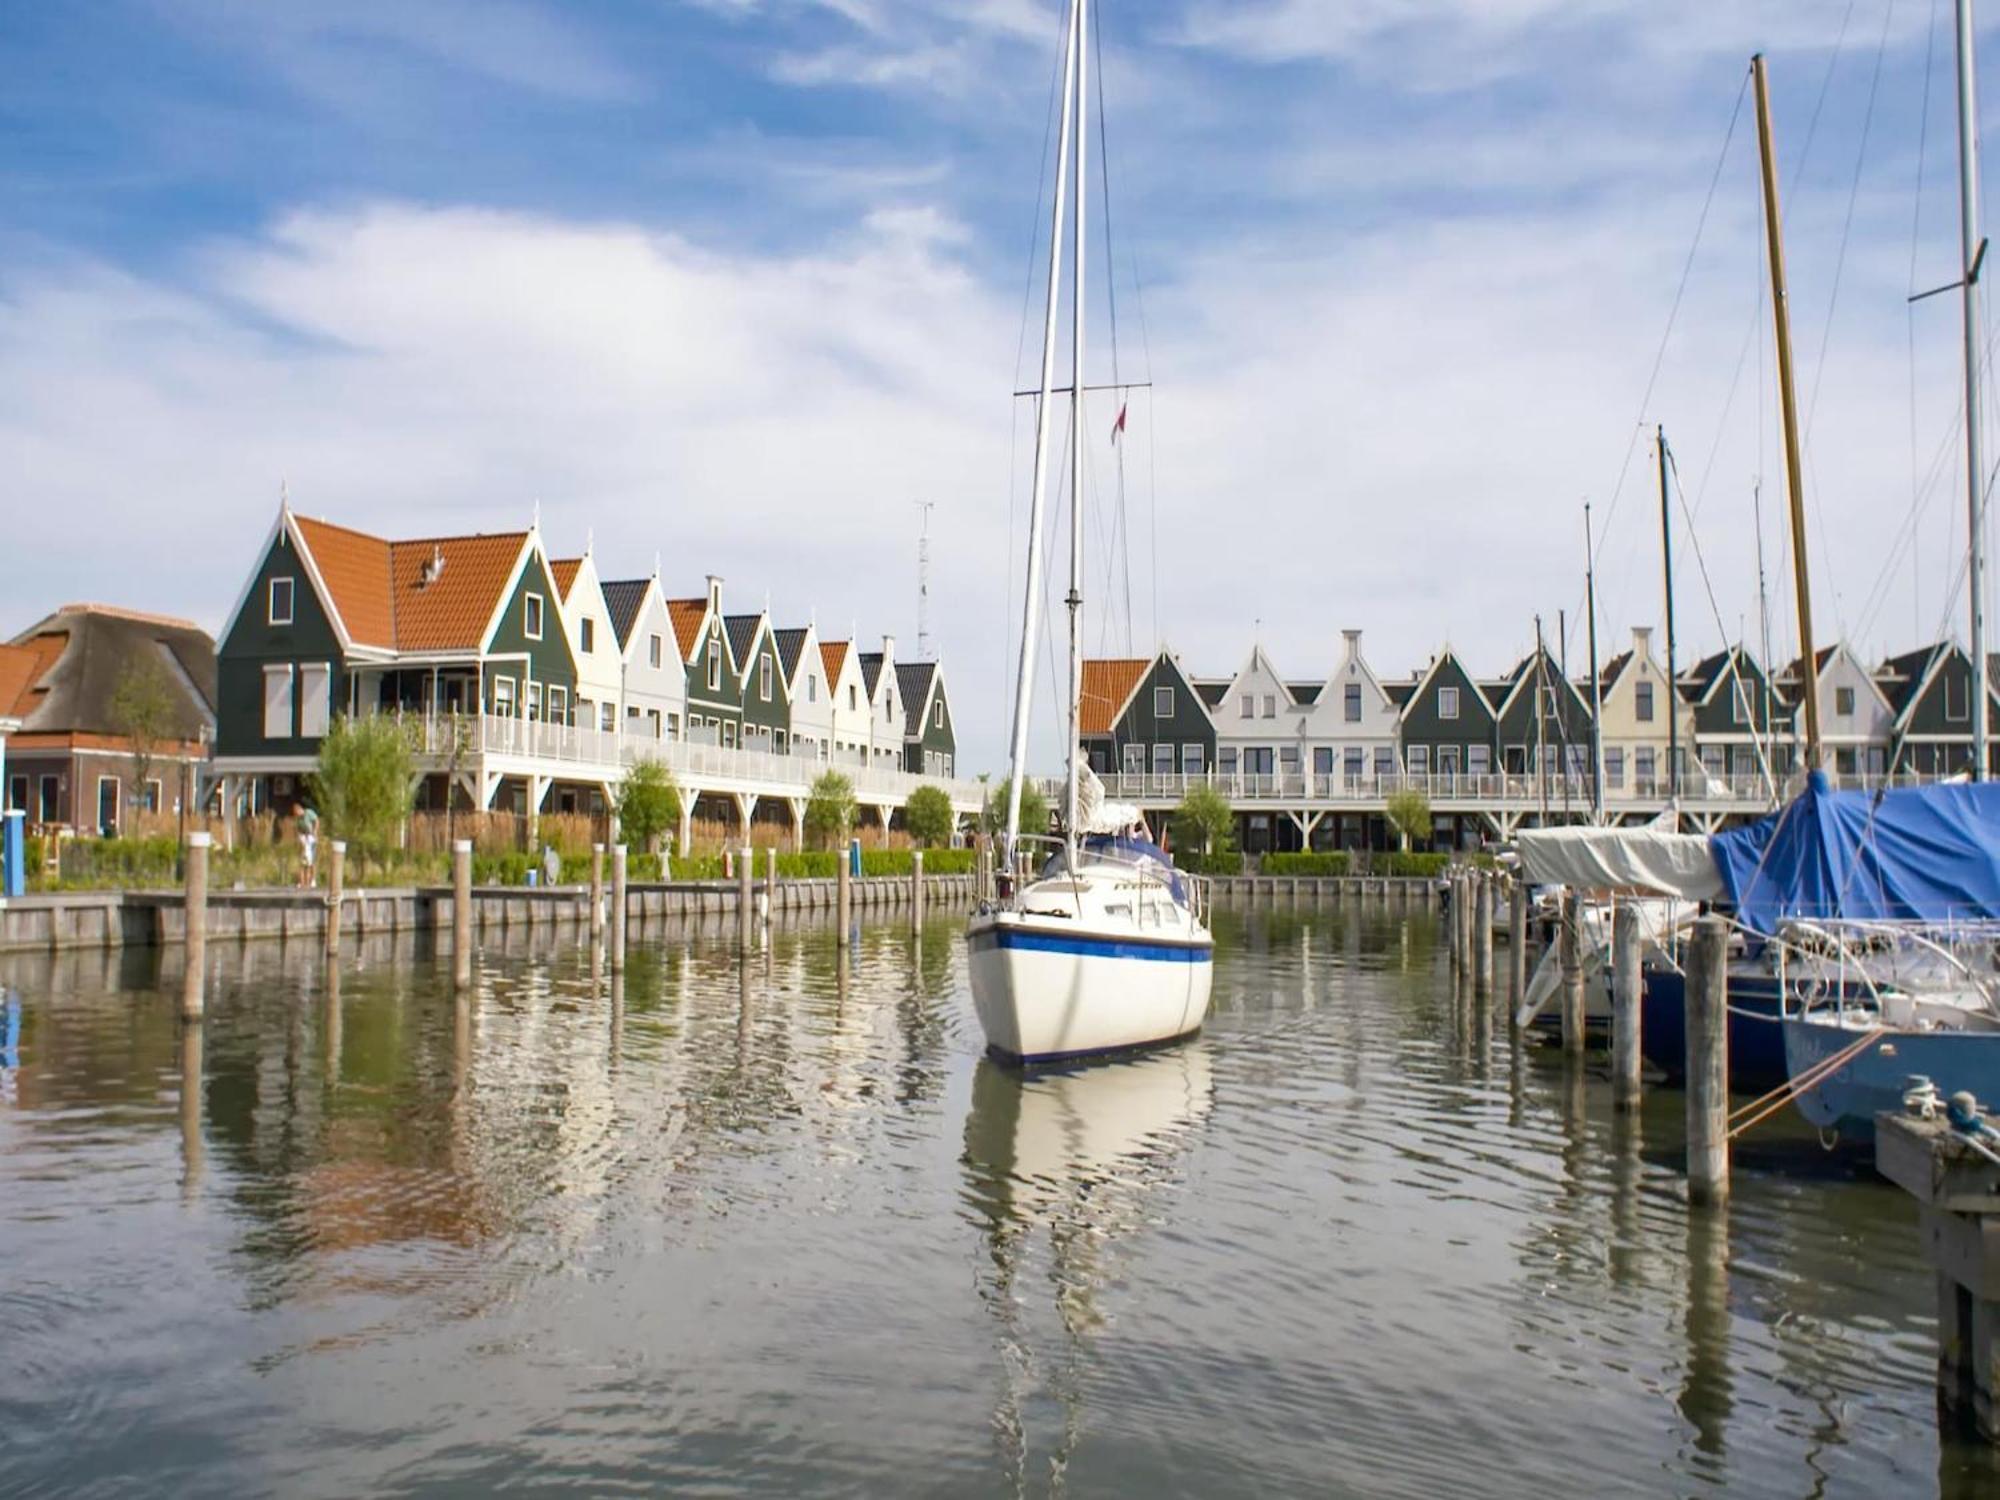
point(1093, 942)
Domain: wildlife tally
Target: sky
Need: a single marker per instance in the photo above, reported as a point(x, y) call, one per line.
point(741, 285)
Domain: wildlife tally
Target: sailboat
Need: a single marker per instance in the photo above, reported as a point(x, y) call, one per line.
point(1093, 943)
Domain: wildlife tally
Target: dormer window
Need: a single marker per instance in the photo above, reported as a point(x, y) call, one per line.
point(280, 611)
point(531, 617)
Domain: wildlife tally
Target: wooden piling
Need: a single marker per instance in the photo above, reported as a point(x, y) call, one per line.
point(461, 914)
point(195, 905)
point(336, 872)
point(1482, 936)
point(1517, 944)
point(1626, 991)
point(596, 891)
point(1570, 956)
point(746, 916)
point(1707, 1006)
point(843, 899)
point(618, 920)
point(916, 890)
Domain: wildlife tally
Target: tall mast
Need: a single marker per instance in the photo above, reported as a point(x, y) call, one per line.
point(1972, 248)
point(1076, 318)
point(1024, 675)
point(1673, 669)
point(1541, 746)
point(1781, 313)
point(1596, 683)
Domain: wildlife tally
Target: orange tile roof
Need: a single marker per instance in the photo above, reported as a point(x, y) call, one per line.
point(379, 591)
point(834, 655)
point(451, 612)
point(355, 569)
point(1106, 686)
point(20, 670)
point(687, 615)
point(565, 570)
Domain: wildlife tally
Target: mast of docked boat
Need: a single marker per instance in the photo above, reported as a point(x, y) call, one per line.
point(1788, 403)
point(1596, 683)
point(1972, 249)
point(1080, 22)
point(1673, 670)
point(1024, 676)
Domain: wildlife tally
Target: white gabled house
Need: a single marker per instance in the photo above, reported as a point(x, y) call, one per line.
point(1354, 721)
point(852, 717)
point(885, 727)
point(652, 680)
point(803, 662)
point(1261, 728)
point(593, 641)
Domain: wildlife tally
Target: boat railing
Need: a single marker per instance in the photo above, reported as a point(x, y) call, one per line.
point(1859, 945)
point(1155, 880)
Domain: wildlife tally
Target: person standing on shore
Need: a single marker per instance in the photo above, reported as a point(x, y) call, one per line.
point(308, 826)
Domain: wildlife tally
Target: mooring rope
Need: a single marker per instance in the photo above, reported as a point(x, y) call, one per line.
point(1759, 1110)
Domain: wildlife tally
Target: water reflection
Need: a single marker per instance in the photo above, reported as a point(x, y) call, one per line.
point(192, 1151)
point(1075, 1158)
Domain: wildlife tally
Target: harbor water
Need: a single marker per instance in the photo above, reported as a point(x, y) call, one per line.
point(773, 1226)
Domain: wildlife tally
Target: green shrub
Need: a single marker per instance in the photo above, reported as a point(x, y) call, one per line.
point(1230, 863)
point(1407, 865)
point(1314, 863)
point(649, 804)
point(929, 817)
point(830, 810)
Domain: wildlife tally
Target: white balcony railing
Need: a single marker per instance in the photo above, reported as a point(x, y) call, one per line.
point(556, 749)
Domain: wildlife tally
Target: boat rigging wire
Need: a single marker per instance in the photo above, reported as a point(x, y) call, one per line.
point(1910, 308)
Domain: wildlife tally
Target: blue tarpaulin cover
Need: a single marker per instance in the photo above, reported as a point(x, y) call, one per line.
point(1926, 853)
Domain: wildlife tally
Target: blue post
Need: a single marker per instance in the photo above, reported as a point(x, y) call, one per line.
point(14, 854)
point(854, 858)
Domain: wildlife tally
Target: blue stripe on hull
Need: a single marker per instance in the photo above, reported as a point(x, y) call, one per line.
point(1092, 947)
point(1087, 1054)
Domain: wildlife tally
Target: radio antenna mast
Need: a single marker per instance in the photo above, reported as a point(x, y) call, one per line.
point(924, 581)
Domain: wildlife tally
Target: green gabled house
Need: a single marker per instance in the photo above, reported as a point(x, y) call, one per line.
point(762, 686)
point(336, 621)
point(1143, 715)
point(930, 743)
point(1541, 721)
point(714, 681)
point(1447, 726)
point(1930, 696)
point(1740, 717)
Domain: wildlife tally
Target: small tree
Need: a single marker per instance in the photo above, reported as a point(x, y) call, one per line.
point(929, 817)
point(366, 781)
point(830, 810)
point(143, 711)
point(1409, 813)
point(1203, 823)
point(1034, 809)
point(649, 803)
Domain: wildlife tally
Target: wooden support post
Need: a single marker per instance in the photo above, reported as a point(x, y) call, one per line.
point(916, 890)
point(1462, 925)
point(843, 900)
point(1570, 955)
point(1626, 943)
point(1517, 944)
point(195, 905)
point(596, 891)
point(1482, 936)
point(1708, 1062)
point(618, 921)
point(770, 882)
point(461, 914)
point(1454, 909)
point(746, 862)
point(336, 873)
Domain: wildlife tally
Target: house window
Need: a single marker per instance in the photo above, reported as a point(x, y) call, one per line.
point(1288, 759)
point(531, 617)
point(729, 734)
point(714, 666)
point(558, 705)
point(17, 793)
point(1225, 760)
point(1737, 706)
point(1478, 759)
point(653, 652)
point(1134, 760)
point(1350, 702)
point(607, 717)
point(1249, 705)
point(778, 741)
point(1954, 700)
point(1322, 760)
point(1843, 702)
point(280, 612)
point(812, 687)
point(49, 806)
point(278, 702)
point(1257, 760)
point(653, 718)
point(1642, 702)
point(534, 701)
point(764, 678)
point(1642, 765)
point(1447, 760)
point(937, 714)
point(1419, 757)
point(1163, 703)
point(503, 697)
point(1191, 760)
point(587, 634)
point(673, 726)
point(1385, 760)
point(1163, 760)
point(1353, 762)
point(853, 698)
point(889, 709)
point(1614, 766)
point(1711, 760)
point(149, 798)
point(1270, 705)
point(107, 805)
point(1448, 703)
point(315, 699)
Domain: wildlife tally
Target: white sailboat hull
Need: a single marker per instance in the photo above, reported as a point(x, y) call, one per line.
point(1048, 988)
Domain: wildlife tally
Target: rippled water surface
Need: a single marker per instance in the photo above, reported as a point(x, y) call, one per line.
point(775, 1227)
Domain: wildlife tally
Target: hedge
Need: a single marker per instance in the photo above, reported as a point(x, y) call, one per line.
point(1308, 863)
point(1410, 865)
point(1209, 864)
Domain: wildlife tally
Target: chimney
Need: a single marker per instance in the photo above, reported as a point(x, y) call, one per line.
point(1353, 639)
point(1642, 642)
point(715, 593)
point(888, 648)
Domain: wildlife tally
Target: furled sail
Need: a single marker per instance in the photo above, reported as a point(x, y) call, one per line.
point(1648, 859)
point(1095, 813)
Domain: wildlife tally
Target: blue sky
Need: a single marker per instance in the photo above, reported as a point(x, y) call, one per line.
point(737, 282)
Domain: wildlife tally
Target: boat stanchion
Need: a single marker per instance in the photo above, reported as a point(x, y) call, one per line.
point(1707, 1006)
point(1569, 954)
point(461, 914)
point(1626, 992)
point(618, 915)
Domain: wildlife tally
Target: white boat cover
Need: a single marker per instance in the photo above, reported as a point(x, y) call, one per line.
point(1094, 814)
point(1596, 859)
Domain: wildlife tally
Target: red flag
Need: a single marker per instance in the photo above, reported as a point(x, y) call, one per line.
point(1119, 425)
